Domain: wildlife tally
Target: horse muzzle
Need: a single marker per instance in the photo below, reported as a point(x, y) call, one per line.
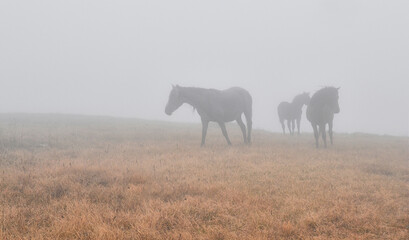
point(168, 111)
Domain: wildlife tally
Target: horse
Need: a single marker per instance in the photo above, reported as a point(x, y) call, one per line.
point(292, 112)
point(321, 110)
point(214, 105)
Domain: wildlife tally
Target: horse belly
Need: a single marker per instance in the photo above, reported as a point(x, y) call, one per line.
point(228, 106)
point(219, 115)
point(229, 119)
point(231, 114)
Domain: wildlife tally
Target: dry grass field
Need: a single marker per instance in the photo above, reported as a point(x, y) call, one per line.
point(75, 177)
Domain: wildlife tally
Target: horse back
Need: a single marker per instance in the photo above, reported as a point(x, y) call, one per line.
point(236, 96)
point(228, 104)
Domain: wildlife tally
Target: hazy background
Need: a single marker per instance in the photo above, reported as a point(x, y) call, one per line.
point(120, 58)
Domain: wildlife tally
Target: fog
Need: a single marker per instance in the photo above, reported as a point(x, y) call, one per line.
point(120, 58)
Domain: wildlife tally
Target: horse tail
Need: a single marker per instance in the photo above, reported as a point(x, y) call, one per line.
point(308, 113)
point(280, 112)
point(248, 113)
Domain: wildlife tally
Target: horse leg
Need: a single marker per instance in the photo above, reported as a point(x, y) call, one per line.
point(224, 131)
point(242, 127)
point(289, 126)
point(324, 134)
point(282, 125)
point(298, 125)
point(330, 131)
point(205, 125)
point(248, 115)
point(314, 127)
point(293, 125)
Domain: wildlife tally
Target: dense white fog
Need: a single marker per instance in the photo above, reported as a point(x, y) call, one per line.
point(119, 58)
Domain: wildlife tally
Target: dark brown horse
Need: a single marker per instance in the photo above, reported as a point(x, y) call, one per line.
point(321, 110)
point(215, 106)
point(292, 112)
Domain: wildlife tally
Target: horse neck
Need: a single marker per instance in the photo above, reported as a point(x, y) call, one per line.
point(319, 101)
point(192, 96)
point(297, 102)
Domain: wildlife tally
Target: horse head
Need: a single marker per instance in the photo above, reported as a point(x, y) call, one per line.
point(175, 100)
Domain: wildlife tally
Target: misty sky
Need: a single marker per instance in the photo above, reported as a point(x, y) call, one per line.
point(119, 58)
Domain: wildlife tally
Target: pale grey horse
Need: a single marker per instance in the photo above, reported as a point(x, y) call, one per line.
point(215, 106)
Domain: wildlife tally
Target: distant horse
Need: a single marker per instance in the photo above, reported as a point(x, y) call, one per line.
point(321, 110)
point(292, 112)
point(216, 106)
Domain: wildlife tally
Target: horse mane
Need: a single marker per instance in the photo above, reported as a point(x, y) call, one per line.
point(298, 97)
point(195, 91)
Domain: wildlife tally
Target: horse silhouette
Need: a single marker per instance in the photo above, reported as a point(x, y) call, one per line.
point(321, 110)
point(292, 112)
point(215, 106)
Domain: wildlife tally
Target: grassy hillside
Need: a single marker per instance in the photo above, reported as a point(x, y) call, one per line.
point(76, 177)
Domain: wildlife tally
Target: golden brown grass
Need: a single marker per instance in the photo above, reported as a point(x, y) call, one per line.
point(73, 177)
